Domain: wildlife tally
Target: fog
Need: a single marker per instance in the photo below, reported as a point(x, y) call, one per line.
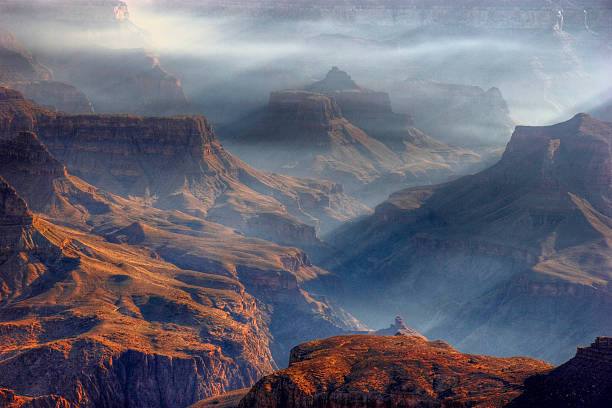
point(238, 59)
point(543, 76)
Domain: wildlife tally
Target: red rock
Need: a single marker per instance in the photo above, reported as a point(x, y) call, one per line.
point(390, 371)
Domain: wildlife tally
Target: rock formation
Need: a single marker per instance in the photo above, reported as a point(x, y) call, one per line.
point(308, 134)
point(177, 163)
point(584, 381)
point(127, 305)
point(390, 371)
point(399, 328)
point(524, 241)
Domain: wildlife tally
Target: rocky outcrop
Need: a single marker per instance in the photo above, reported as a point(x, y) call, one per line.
point(304, 134)
point(43, 181)
point(390, 371)
point(399, 328)
point(177, 163)
point(523, 241)
point(309, 134)
point(581, 382)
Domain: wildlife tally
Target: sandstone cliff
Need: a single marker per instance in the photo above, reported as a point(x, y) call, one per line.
point(390, 371)
point(524, 241)
point(8, 399)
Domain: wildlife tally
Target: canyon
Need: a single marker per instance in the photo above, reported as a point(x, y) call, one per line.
point(177, 163)
point(511, 243)
point(151, 256)
point(128, 304)
point(337, 130)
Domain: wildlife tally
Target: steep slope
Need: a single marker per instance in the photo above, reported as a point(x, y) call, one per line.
point(177, 163)
point(309, 134)
point(581, 382)
point(390, 371)
point(525, 241)
point(133, 306)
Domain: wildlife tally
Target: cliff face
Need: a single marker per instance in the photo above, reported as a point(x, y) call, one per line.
point(390, 371)
point(128, 305)
point(515, 242)
point(339, 131)
point(177, 163)
point(581, 382)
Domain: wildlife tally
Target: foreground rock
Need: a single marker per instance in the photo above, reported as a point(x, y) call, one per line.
point(524, 241)
point(390, 371)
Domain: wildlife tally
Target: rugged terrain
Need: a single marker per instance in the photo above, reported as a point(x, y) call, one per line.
point(177, 163)
point(107, 301)
point(525, 241)
point(309, 133)
point(391, 371)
